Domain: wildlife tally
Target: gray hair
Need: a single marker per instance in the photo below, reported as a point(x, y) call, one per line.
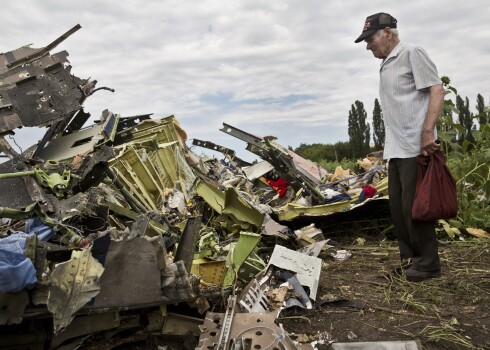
point(393, 30)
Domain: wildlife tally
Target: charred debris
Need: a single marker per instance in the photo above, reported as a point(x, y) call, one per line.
point(120, 226)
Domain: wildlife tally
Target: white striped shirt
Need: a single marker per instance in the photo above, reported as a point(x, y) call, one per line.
point(405, 76)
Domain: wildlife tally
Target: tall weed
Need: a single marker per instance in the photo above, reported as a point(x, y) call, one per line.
point(470, 166)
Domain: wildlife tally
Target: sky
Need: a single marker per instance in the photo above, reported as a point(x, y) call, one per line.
point(285, 68)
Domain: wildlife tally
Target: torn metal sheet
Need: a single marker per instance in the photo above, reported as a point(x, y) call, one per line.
point(37, 88)
point(308, 168)
point(237, 255)
point(292, 211)
point(229, 203)
point(244, 331)
point(228, 153)
point(242, 135)
point(73, 284)
point(187, 244)
point(258, 170)
point(26, 54)
point(76, 338)
point(208, 244)
point(272, 228)
point(284, 164)
point(307, 268)
point(380, 345)
point(136, 260)
point(83, 141)
point(371, 216)
point(211, 194)
point(240, 260)
point(7, 149)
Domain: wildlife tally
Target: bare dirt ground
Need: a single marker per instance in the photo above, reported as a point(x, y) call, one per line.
point(363, 301)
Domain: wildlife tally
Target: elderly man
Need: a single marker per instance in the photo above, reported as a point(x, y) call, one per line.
point(411, 96)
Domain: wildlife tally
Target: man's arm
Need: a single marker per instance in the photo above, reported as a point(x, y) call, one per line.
point(436, 100)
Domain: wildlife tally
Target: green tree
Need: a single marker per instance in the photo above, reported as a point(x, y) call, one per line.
point(359, 130)
point(314, 152)
point(378, 126)
point(342, 150)
point(367, 140)
point(465, 118)
point(482, 113)
point(324, 152)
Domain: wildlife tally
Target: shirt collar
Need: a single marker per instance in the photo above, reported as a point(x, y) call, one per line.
point(396, 50)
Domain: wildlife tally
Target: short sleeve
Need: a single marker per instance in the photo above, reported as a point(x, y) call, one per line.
point(424, 70)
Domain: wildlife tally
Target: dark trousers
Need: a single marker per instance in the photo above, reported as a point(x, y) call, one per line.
point(417, 240)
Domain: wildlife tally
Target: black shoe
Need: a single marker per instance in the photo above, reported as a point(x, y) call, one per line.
point(400, 269)
point(418, 276)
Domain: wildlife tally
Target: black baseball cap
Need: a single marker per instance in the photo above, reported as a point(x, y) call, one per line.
point(376, 22)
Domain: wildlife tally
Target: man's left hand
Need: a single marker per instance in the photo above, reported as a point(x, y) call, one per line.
point(429, 144)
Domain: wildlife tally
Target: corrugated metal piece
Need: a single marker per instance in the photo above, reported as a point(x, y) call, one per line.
point(152, 161)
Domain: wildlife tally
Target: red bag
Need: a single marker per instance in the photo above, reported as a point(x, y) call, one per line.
point(435, 194)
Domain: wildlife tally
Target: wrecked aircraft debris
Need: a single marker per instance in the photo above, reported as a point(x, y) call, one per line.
point(103, 226)
point(296, 175)
point(244, 330)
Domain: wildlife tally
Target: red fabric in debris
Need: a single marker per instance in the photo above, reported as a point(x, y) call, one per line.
point(369, 191)
point(280, 186)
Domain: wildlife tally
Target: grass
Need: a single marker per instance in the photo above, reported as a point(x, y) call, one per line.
point(451, 312)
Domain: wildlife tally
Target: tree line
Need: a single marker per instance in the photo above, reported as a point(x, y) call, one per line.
point(359, 145)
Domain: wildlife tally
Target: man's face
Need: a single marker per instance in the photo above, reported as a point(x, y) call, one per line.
point(379, 43)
